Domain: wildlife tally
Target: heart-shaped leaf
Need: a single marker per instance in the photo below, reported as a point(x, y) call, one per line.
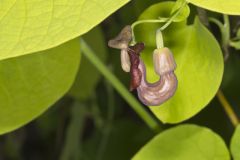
point(199, 64)
point(33, 25)
point(185, 142)
point(32, 83)
point(235, 144)
point(231, 7)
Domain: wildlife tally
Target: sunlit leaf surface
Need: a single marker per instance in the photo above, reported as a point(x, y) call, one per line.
point(235, 144)
point(185, 142)
point(28, 26)
point(32, 83)
point(231, 7)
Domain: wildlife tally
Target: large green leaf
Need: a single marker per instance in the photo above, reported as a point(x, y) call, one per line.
point(32, 83)
point(199, 64)
point(32, 25)
point(235, 144)
point(185, 142)
point(231, 7)
point(84, 85)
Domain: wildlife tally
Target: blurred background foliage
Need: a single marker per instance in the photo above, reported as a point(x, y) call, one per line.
point(93, 122)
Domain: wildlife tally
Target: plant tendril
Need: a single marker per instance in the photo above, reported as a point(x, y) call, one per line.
point(159, 20)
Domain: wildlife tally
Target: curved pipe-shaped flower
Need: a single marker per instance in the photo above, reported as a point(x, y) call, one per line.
point(150, 94)
point(154, 94)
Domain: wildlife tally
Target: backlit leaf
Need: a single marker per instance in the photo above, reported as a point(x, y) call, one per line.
point(235, 144)
point(32, 83)
point(185, 142)
point(28, 26)
point(231, 7)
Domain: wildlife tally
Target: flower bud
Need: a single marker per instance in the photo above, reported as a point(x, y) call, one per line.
point(163, 61)
point(125, 60)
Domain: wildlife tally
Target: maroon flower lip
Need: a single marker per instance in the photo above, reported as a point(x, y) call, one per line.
point(136, 74)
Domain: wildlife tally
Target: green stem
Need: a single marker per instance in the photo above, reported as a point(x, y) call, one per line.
point(228, 108)
point(226, 36)
point(225, 33)
point(89, 54)
point(159, 39)
point(217, 22)
point(170, 20)
point(161, 20)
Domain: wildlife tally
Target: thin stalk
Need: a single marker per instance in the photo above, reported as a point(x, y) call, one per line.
point(228, 108)
point(225, 33)
point(159, 39)
point(217, 22)
point(170, 20)
point(226, 36)
point(226, 25)
point(89, 54)
point(160, 20)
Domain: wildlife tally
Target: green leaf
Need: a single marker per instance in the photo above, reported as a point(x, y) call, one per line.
point(154, 12)
point(235, 144)
point(32, 83)
point(84, 85)
point(34, 25)
point(199, 64)
point(185, 142)
point(231, 7)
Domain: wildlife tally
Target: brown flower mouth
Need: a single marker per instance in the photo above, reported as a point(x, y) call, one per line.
point(136, 74)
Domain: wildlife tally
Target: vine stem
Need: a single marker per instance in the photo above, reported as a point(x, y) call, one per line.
point(226, 36)
point(168, 21)
point(148, 21)
point(147, 117)
point(159, 39)
point(228, 108)
point(161, 20)
point(225, 33)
